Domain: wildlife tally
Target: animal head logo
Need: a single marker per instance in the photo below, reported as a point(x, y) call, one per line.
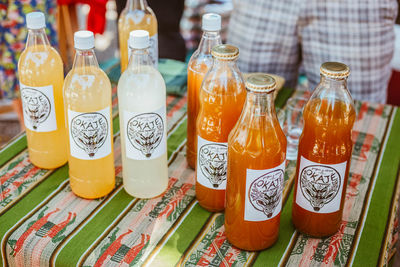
point(36, 106)
point(213, 163)
point(319, 185)
point(145, 132)
point(89, 131)
point(265, 192)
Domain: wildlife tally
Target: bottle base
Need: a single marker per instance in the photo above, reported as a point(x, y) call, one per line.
point(316, 234)
point(48, 167)
point(211, 209)
point(145, 196)
point(253, 248)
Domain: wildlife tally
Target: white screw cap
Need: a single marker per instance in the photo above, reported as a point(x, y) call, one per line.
point(84, 40)
point(211, 22)
point(139, 39)
point(35, 20)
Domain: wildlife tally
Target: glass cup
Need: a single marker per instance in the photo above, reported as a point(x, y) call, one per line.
point(294, 124)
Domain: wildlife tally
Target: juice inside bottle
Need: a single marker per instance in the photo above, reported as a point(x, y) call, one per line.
point(199, 64)
point(221, 100)
point(41, 79)
point(256, 167)
point(88, 108)
point(137, 15)
point(142, 111)
point(325, 149)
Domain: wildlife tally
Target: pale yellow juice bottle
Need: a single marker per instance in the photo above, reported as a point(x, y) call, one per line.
point(87, 100)
point(137, 15)
point(41, 77)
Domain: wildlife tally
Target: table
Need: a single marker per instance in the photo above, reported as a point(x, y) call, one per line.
point(43, 223)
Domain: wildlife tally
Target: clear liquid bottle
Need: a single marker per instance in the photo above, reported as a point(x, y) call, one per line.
point(199, 64)
point(41, 77)
point(324, 154)
point(137, 15)
point(87, 101)
point(222, 96)
point(256, 168)
point(142, 113)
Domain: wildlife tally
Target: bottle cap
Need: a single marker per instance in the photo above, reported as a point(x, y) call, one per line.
point(211, 22)
point(335, 70)
point(225, 52)
point(260, 82)
point(35, 20)
point(84, 40)
point(139, 39)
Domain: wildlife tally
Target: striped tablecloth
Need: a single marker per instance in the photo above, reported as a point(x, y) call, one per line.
point(43, 223)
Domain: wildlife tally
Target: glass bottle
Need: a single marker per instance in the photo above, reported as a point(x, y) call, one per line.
point(222, 97)
point(325, 149)
point(87, 102)
point(256, 168)
point(41, 78)
point(142, 109)
point(137, 15)
point(199, 64)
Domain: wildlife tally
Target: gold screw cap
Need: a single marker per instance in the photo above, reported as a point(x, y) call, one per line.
point(260, 82)
point(335, 70)
point(225, 52)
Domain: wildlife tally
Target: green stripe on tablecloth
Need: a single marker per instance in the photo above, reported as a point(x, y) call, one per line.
point(181, 239)
point(273, 255)
point(31, 200)
point(373, 231)
point(177, 137)
point(75, 247)
point(11, 150)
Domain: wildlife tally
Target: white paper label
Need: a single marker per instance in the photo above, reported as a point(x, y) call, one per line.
point(38, 107)
point(211, 163)
point(320, 186)
point(90, 134)
point(153, 50)
point(145, 134)
point(264, 193)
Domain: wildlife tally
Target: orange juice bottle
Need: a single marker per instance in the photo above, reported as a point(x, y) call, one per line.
point(256, 168)
point(324, 153)
point(41, 77)
point(199, 64)
point(88, 110)
point(137, 15)
point(222, 96)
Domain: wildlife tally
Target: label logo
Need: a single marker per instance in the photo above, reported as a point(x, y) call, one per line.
point(319, 185)
point(213, 163)
point(265, 192)
point(36, 106)
point(89, 131)
point(145, 132)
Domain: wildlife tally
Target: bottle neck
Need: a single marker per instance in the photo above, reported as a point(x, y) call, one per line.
point(138, 58)
point(136, 4)
point(208, 41)
point(259, 104)
point(37, 37)
point(333, 89)
point(85, 58)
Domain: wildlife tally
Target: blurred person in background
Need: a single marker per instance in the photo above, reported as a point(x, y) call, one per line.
point(13, 33)
point(277, 36)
